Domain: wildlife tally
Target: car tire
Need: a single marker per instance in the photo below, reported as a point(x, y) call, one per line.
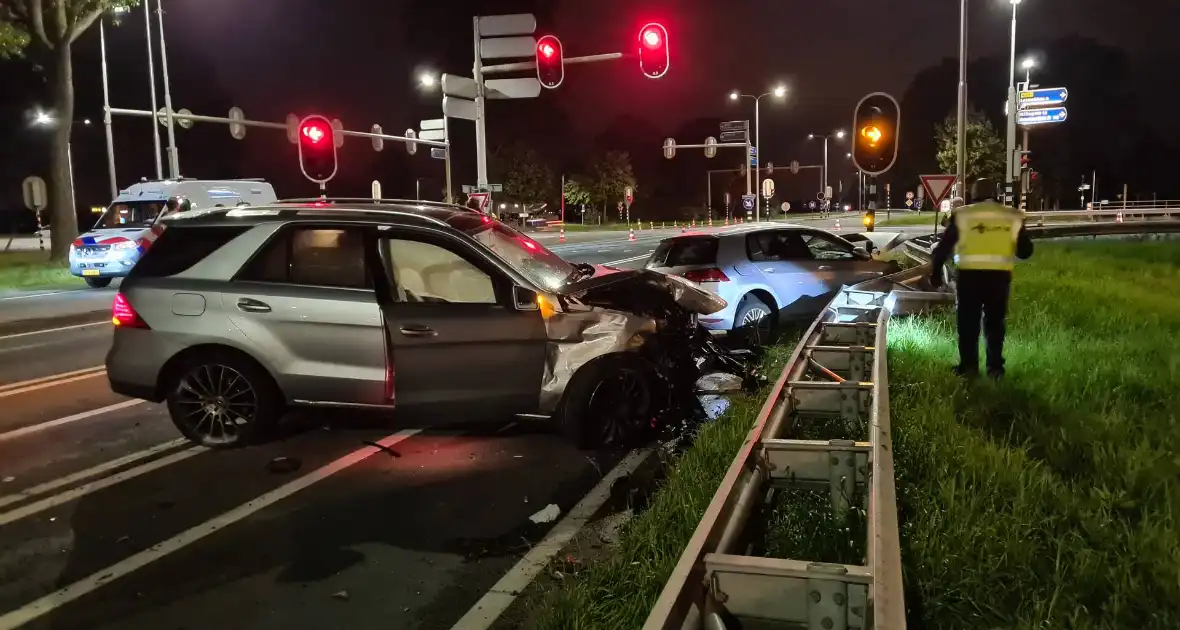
point(222, 399)
point(747, 310)
point(611, 402)
point(98, 283)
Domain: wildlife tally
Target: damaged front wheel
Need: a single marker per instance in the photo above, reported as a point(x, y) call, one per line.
point(611, 403)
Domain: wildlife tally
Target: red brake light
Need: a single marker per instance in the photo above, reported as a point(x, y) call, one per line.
point(123, 315)
point(706, 275)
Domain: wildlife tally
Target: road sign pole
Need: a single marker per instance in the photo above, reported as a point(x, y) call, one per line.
point(1013, 106)
point(481, 154)
point(757, 147)
point(173, 154)
point(447, 158)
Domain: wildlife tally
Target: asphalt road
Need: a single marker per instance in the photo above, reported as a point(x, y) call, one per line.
point(109, 521)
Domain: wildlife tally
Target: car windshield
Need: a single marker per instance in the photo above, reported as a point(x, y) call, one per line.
point(129, 214)
point(541, 266)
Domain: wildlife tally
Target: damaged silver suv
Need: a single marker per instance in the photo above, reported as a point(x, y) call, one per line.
point(234, 315)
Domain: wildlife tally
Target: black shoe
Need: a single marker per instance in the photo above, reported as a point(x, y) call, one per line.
point(962, 372)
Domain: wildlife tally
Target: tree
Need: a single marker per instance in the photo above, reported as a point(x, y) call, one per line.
point(526, 177)
point(51, 27)
point(610, 175)
point(985, 149)
point(577, 192)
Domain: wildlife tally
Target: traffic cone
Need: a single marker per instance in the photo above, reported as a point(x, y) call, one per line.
point(631, 234)
point(674, 225)
point(561, 235)
point(837, 225)
point(710, 221)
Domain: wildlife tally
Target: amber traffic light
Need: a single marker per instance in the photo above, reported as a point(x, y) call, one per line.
point(877, 122)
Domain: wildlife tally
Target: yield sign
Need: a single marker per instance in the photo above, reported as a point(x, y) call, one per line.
point(937, 186)
point(479, 197)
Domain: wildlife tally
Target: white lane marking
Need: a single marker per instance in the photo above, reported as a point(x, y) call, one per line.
point(627, 260)
point(37, 295)
point(53, 330)
point(12, 389)
point(93, 471)
point(74, 494)
point(493, 604)
point(91, 583)
point(37, 428)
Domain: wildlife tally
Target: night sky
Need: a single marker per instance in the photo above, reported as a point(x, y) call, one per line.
point(359, 60)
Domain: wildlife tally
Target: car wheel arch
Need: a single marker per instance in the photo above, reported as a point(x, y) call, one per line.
point(168, 371)
point(764, 296)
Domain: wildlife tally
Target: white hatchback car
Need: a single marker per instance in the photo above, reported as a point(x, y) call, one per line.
point(767, 274)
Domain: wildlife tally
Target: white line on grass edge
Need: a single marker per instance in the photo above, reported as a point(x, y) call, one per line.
point(63, 596)
point(488, 609)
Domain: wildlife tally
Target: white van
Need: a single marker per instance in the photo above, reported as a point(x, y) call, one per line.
point(124, 231)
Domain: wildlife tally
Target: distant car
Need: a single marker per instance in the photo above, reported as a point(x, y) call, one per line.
point(234, 314)
point(124, 231)
point(766, 274)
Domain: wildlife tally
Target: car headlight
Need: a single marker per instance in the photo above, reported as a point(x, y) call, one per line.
point(124, 245)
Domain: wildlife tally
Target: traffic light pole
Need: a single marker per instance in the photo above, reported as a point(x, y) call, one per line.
point(481, 130)
point(1012, 105)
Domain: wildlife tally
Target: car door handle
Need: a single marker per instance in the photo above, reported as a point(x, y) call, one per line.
point(417, 330)
point(824, 268)
point(253, 306)
point(768, 270)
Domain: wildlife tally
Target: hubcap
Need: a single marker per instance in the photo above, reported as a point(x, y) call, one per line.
point(621, 404)
point(216, 402)
point(757, 322)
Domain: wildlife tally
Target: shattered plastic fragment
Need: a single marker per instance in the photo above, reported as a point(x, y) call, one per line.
point(547, 515)
point(714, 406)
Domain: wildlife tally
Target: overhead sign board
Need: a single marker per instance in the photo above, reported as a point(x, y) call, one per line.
point(433, 134)
point(458, 108)
point(434, 123)
point(1049, 115)
point(734, 136)
point(454, 85)
point(438, 153)
point(1043, 97)
point(735, 125)
point(937, 186)
point(507, 47)
point(501, 25)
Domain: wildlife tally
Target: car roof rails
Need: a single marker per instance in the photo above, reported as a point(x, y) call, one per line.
point(375, 202)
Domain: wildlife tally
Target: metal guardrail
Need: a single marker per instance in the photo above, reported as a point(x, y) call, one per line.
point(838, 372)
point(825, 377)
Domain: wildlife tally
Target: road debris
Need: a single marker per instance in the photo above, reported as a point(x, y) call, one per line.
point(340, 595)
point(390, 451)
point(547, 515)
point(282, 465)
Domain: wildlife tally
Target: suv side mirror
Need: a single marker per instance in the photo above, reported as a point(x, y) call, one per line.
point(524, 299)
point(860, 252)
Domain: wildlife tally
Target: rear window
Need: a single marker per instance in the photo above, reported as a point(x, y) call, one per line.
point(179, 248)
point(684, 252)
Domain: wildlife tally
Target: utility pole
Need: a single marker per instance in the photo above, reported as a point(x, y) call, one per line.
point(173, 157)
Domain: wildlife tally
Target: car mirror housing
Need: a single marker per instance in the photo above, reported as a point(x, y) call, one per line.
point(524, 299)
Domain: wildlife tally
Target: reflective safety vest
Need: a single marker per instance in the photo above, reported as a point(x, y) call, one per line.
point(987, 236)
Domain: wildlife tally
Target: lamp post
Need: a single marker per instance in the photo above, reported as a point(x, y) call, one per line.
point(1011, 109)
point(45, 119)
point(777, 92)
point(839, 135)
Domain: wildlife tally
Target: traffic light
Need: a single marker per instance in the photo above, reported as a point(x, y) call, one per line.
point(876, 124)
point(653, 50)
point(317, 149)
point(550, 62)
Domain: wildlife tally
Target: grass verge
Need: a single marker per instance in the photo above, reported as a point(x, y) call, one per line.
point(33, 270)
point(1051, 499)
point(926, 218)
point(618, 591)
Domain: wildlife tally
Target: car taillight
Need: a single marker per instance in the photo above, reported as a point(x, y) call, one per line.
point(706, 275)
point(123, 315)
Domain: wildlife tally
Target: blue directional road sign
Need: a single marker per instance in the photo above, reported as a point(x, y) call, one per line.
point(748, 202)
point(753, 156)
point(1043, 97)
point(1045, 116)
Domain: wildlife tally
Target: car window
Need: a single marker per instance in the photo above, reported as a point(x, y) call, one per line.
point(685, 252)
point(326, 257)
point(425, 272)
point(778, 245)
point(177, 249)
point(123, 214)
point(824, 248)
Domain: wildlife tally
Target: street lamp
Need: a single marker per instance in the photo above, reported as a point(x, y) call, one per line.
point(43, 119)
point(839, 135)
point(778, 92)
point(427, 80)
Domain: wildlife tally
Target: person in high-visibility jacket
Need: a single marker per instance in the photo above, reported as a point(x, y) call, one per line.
point(985, 238)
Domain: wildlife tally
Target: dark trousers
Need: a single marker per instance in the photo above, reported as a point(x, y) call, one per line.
point(982, 295)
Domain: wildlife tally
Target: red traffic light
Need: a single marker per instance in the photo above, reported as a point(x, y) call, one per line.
point(317, 149)
point(653, 50)
point(550, 62)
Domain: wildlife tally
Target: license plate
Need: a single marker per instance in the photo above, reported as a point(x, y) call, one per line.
point(90, 272)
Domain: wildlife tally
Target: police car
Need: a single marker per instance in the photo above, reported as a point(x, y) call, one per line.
point(125, 229)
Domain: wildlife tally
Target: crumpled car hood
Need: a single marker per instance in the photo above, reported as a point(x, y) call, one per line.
point(603, 288)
